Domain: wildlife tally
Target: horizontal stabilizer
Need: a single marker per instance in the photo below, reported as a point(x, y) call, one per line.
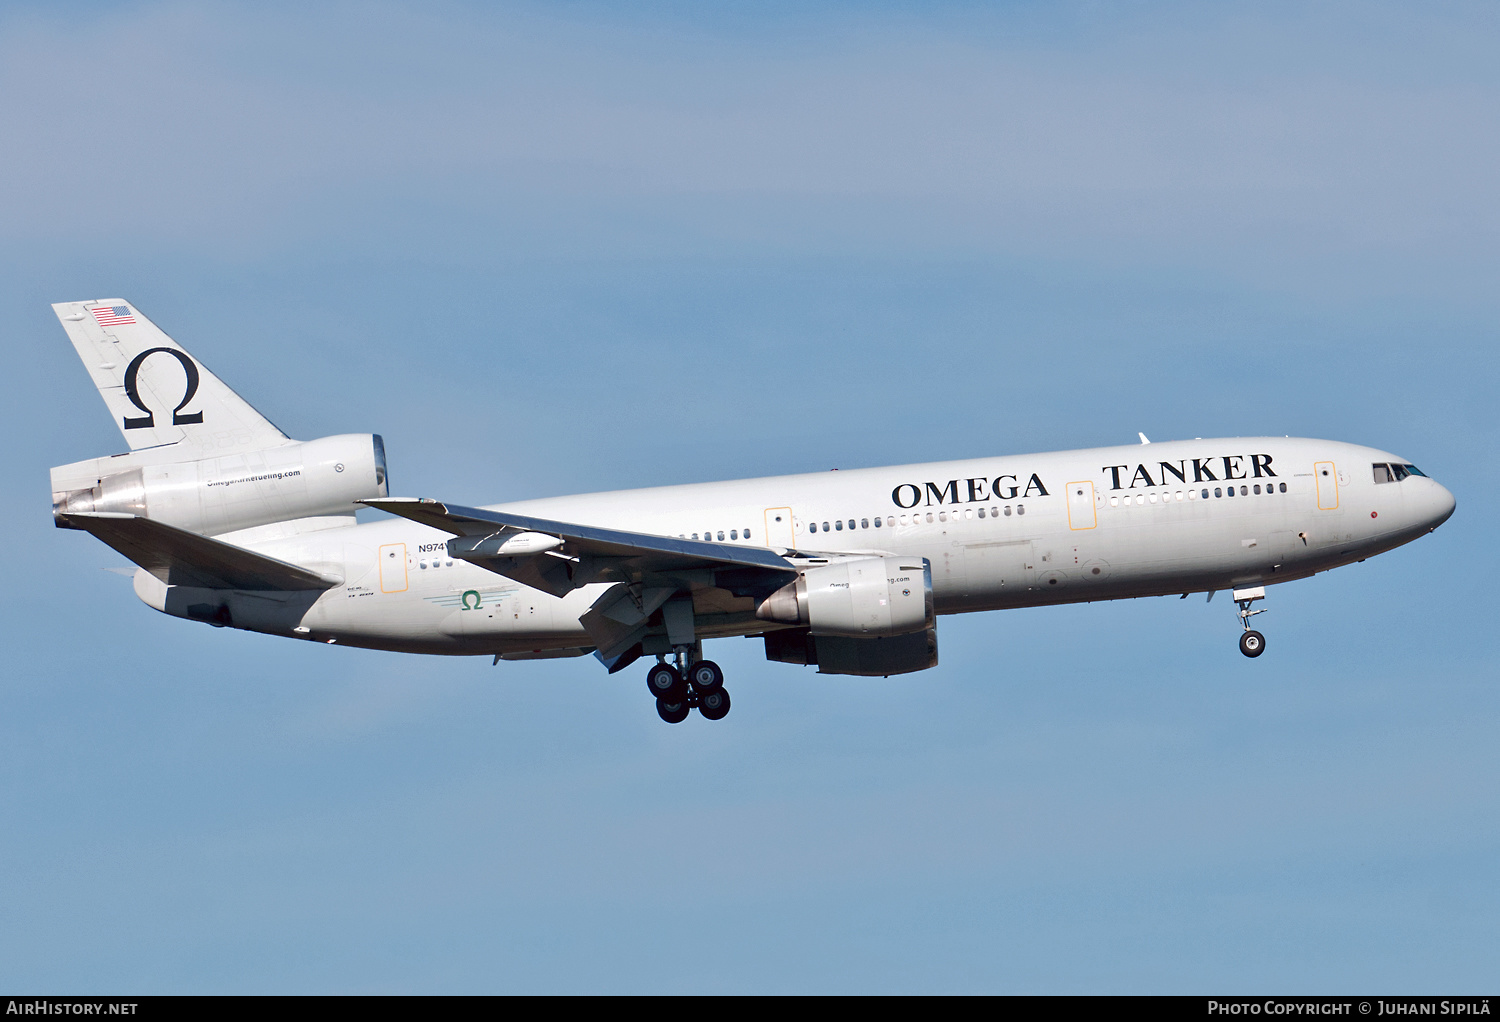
point(181, 558)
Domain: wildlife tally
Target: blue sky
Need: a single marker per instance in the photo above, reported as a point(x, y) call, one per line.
point(552, 249)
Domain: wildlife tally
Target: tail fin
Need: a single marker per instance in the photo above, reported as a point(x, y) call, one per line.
point(157, 393)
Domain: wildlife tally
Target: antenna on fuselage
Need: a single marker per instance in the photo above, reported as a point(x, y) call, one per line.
point(1143, 438)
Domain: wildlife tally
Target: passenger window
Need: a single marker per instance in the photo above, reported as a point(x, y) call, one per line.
point(733, 534)
point(1217, 493)
point(1244, 491)
point(747, 533)
point(1205, 493)
point(1020, 509)
point(812, 526)
point(981, 512)
point(1257, 489)
point(721, 535)
point(839, 525)
point(994, 512)
point(1007, 510)
point(891, 521)
point(877, 523)
point(864, 523)
point(1283, 487)
point(851, 525)
point(929, 518)
point(825, 527)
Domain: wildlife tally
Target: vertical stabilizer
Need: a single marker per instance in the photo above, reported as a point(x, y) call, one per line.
point(156, 392)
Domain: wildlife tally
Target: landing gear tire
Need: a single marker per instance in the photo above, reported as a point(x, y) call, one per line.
point(705, 676)
point(714, 704)
point(667, 685)
point(672, 713)
point(1252, 643)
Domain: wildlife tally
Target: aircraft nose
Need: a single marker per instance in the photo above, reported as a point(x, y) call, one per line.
point(1441, 505)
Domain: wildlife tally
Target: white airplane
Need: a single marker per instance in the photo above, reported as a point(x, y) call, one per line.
point(233, 524)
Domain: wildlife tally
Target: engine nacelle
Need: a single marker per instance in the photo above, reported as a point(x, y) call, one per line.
point(299, 479)
point(860, 598)
point(882, 656)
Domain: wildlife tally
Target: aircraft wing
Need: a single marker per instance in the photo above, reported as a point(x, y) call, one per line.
point(181, 558)
point(590, 554)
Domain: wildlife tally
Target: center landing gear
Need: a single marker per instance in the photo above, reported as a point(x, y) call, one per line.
point(676, 695)
point(1252, 643)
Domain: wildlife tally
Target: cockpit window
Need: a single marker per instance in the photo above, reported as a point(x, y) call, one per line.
point(1395, 472)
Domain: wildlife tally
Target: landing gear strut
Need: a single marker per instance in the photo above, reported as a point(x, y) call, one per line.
point(677, 690)
point(1252, 643)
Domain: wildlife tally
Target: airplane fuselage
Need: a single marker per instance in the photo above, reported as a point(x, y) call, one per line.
point(1013, 531)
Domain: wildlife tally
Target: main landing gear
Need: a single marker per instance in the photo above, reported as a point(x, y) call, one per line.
point(1252, 643)
point(676, 694)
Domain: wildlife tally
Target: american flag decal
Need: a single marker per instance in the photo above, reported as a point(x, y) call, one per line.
point(113, 315)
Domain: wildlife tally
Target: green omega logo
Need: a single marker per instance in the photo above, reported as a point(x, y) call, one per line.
point(474, 593)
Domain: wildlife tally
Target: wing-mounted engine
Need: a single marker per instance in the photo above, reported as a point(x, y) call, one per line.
point(866, 616)
point(860, 597)
point(217, 495)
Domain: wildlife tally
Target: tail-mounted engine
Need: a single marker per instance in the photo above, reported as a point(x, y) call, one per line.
point(237, 491)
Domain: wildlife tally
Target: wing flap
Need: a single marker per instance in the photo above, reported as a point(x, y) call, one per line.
point(181, 558)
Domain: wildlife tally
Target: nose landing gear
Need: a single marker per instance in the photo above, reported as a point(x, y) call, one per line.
point(1252, 643)
point(678, 691)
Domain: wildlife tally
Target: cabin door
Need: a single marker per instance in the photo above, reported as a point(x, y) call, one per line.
point(393, 568)
point(779, 532)
point(1327, 478)
point(1082, 513)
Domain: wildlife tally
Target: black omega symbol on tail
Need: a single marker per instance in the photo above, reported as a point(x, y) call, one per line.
point(148, 420)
